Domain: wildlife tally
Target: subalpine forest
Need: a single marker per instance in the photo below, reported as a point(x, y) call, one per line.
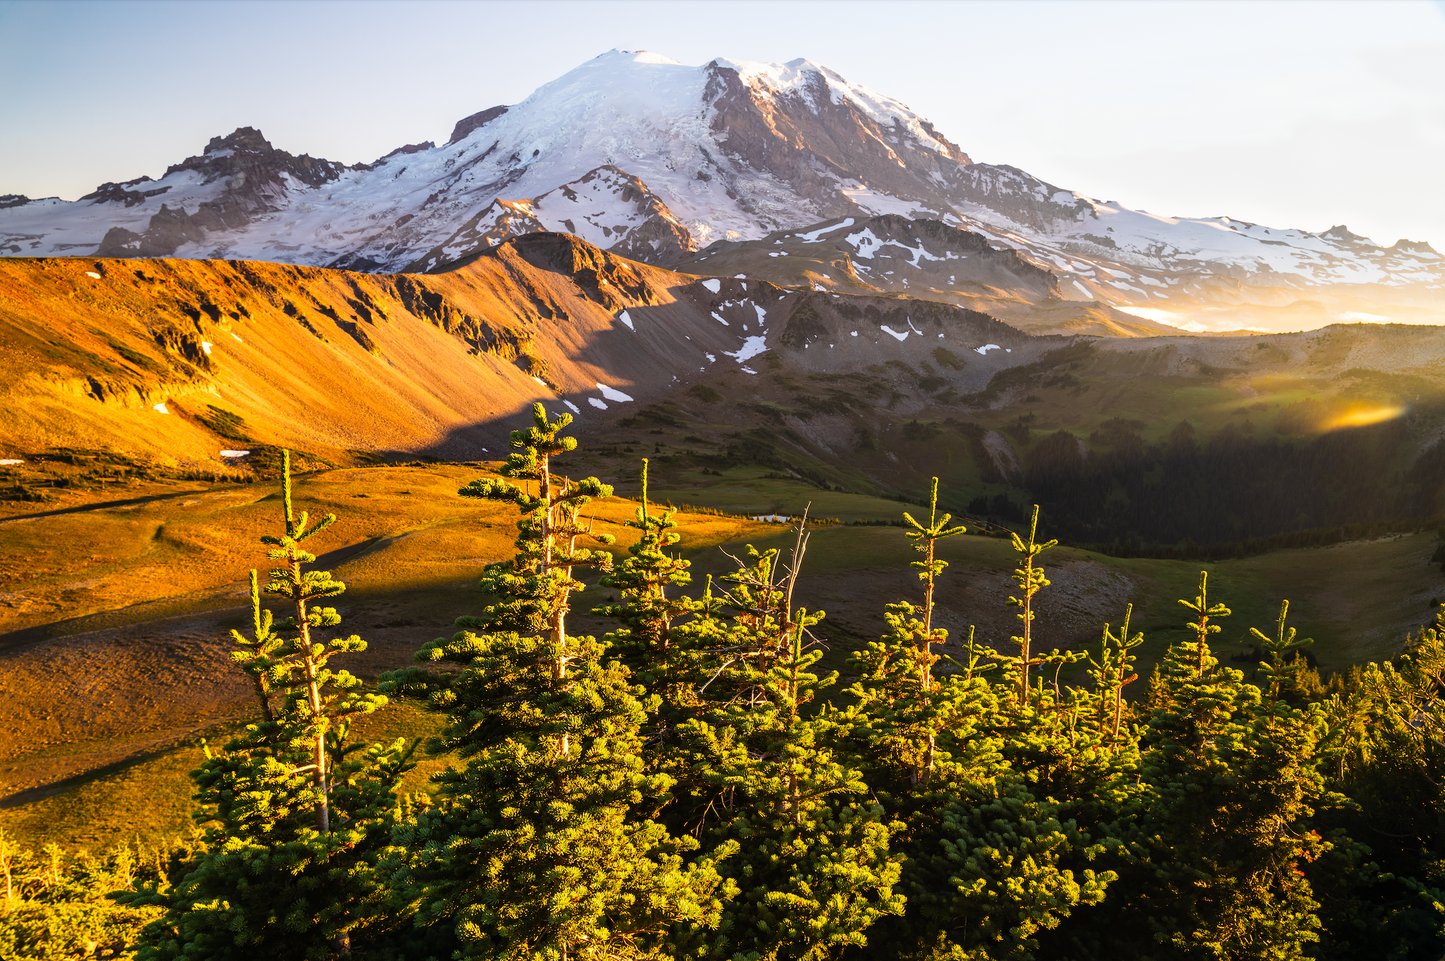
point(693, 785)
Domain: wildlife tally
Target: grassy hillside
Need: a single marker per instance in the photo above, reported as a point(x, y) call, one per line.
point(114, 609)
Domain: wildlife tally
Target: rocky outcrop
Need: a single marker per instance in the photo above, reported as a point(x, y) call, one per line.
point(123, 194)
point(410, 148)
point(257, 179)
point(167, 231)
point(479, 119)
point(607, 280)
point(606, 206)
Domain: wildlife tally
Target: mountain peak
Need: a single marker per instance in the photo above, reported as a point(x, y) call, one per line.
point(640, 154)
point(242, 138)
point(640, 56)
point(1342, 233)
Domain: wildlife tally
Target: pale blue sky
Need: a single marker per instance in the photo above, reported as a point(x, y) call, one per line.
point(1294, 114)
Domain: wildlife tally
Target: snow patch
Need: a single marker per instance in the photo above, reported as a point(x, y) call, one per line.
point(751, 348)
point(596, 402)
point(896, 335)
point(206, 347)
point(572, 407)
point(626, 320)
point(713, 285)
point(986, 348)
point(234, 453)
point(879, 204)
point(816, 236)
point(611, 393)
point(91, 273)
point(161, 407)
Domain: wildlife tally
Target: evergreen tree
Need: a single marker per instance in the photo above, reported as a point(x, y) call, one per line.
point(55, 906)
point(297, 814)
point(904, 707)
point(1030, 580)
point(1112, 672)
point(1383, 883)
point(533, 850)
point(814, 870)
point(988, 864)
point(1220, 831)
point(646, 610)
point(1201, 625)
point(1282, 673)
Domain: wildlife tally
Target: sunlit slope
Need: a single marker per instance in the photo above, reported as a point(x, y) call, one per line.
point(179, 360)
point(141, 355)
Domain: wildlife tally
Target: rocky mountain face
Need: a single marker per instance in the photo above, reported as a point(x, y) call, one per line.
point(921, 260)
point(887, 253)
point(656, 160)
point(251, 178)
point(607, 207)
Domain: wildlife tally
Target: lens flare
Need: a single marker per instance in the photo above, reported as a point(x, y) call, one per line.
point(1364, 416)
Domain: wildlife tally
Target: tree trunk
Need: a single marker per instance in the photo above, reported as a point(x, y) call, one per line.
point(1027, 643)
point(313, 699)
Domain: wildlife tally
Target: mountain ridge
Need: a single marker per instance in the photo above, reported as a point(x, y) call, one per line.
point(730, 150)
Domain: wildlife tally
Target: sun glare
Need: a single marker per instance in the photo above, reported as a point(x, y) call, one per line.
point(1364, 416)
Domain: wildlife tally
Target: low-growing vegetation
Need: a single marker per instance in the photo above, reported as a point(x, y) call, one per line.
point(697, 784)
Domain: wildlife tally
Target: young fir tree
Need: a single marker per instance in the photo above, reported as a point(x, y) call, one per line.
point(1382, 886)
point(56, 906)
point(1201, 626)
point(987, 865)
point(814, 870)
point(534, 851)
point(1030, 580)
point(1282, 672)
point(902, 707)
point(646, 610)
point(1220, 833)
point(1112, 672)
point(297, 814)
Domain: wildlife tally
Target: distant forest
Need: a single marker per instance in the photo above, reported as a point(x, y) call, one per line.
point(1233, 487)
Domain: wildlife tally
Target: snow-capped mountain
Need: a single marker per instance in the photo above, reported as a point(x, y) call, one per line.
point(654, 159)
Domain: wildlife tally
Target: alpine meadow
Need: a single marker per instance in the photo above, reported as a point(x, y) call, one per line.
point(700, 512)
